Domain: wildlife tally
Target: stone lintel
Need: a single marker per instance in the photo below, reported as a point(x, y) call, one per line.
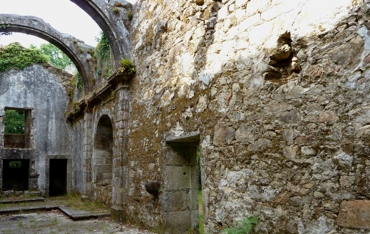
point(187, 137)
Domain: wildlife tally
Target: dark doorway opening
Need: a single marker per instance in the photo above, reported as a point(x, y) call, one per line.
point(58, 177)
point(15, 174)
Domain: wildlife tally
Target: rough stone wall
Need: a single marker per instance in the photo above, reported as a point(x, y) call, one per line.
point(40, 89)
point(78, 163)
point(278, 91)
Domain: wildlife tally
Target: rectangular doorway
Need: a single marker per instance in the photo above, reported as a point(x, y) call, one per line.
point(181, 195)
point(57, 177)
point(15, 174)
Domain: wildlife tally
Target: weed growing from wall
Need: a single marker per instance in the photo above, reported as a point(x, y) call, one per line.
point(116, 10)
point(130, 15)
point(15, 56)
point(244, 226)
point(128, 65)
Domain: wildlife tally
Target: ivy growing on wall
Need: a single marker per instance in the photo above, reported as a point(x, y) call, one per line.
point(15, 56)
point(102, 52)
point(103, 47)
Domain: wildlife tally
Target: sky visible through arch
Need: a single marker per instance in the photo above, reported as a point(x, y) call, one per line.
point(63, 15)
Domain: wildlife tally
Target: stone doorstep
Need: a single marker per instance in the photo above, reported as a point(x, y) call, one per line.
point(35, 199)
point(72, 214)
point(81, 215)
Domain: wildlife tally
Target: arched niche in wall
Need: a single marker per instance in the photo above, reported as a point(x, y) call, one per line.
point(101, 162)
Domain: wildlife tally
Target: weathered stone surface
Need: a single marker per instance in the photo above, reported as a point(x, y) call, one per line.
point(328, 116)
point(223, 134)
point(245, 134)
point(303, 140)
point(288, 149)
point(354, 214)
point(307, 151)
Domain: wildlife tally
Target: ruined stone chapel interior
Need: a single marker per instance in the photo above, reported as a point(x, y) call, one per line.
point(256, 107)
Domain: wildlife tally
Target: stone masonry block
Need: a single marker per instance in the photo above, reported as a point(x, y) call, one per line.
point(193, 196)
point(178, 221)
point(354, 214)
point(180, 155)
point(174, 200)
point(176, 178)
point(173, 157)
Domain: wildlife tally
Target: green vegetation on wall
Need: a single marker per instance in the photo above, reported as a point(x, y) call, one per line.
point(15, 56)
point(128, 65)
point(103, 47)
point(244, 226)
point(79, 82)
point(102, 53)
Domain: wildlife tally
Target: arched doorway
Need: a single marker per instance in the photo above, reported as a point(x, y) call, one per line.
point(101, 162)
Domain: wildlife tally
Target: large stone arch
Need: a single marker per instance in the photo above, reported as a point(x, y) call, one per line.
point(111, 24)
point(75, 49)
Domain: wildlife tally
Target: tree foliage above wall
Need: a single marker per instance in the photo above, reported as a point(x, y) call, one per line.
point(103, 47)
point(56, 57)
point(15, 56)
point(102, 53)
point(14, 122)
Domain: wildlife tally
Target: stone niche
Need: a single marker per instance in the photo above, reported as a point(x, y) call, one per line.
point(102, 161)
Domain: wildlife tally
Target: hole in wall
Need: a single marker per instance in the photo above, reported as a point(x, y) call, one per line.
point(283, 64)
point(17, 128)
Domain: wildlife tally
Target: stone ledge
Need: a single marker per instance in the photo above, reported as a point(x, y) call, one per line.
point(35, 199)
point(98, 96)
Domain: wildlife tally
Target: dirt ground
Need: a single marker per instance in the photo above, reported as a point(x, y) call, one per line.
point(55, 222)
